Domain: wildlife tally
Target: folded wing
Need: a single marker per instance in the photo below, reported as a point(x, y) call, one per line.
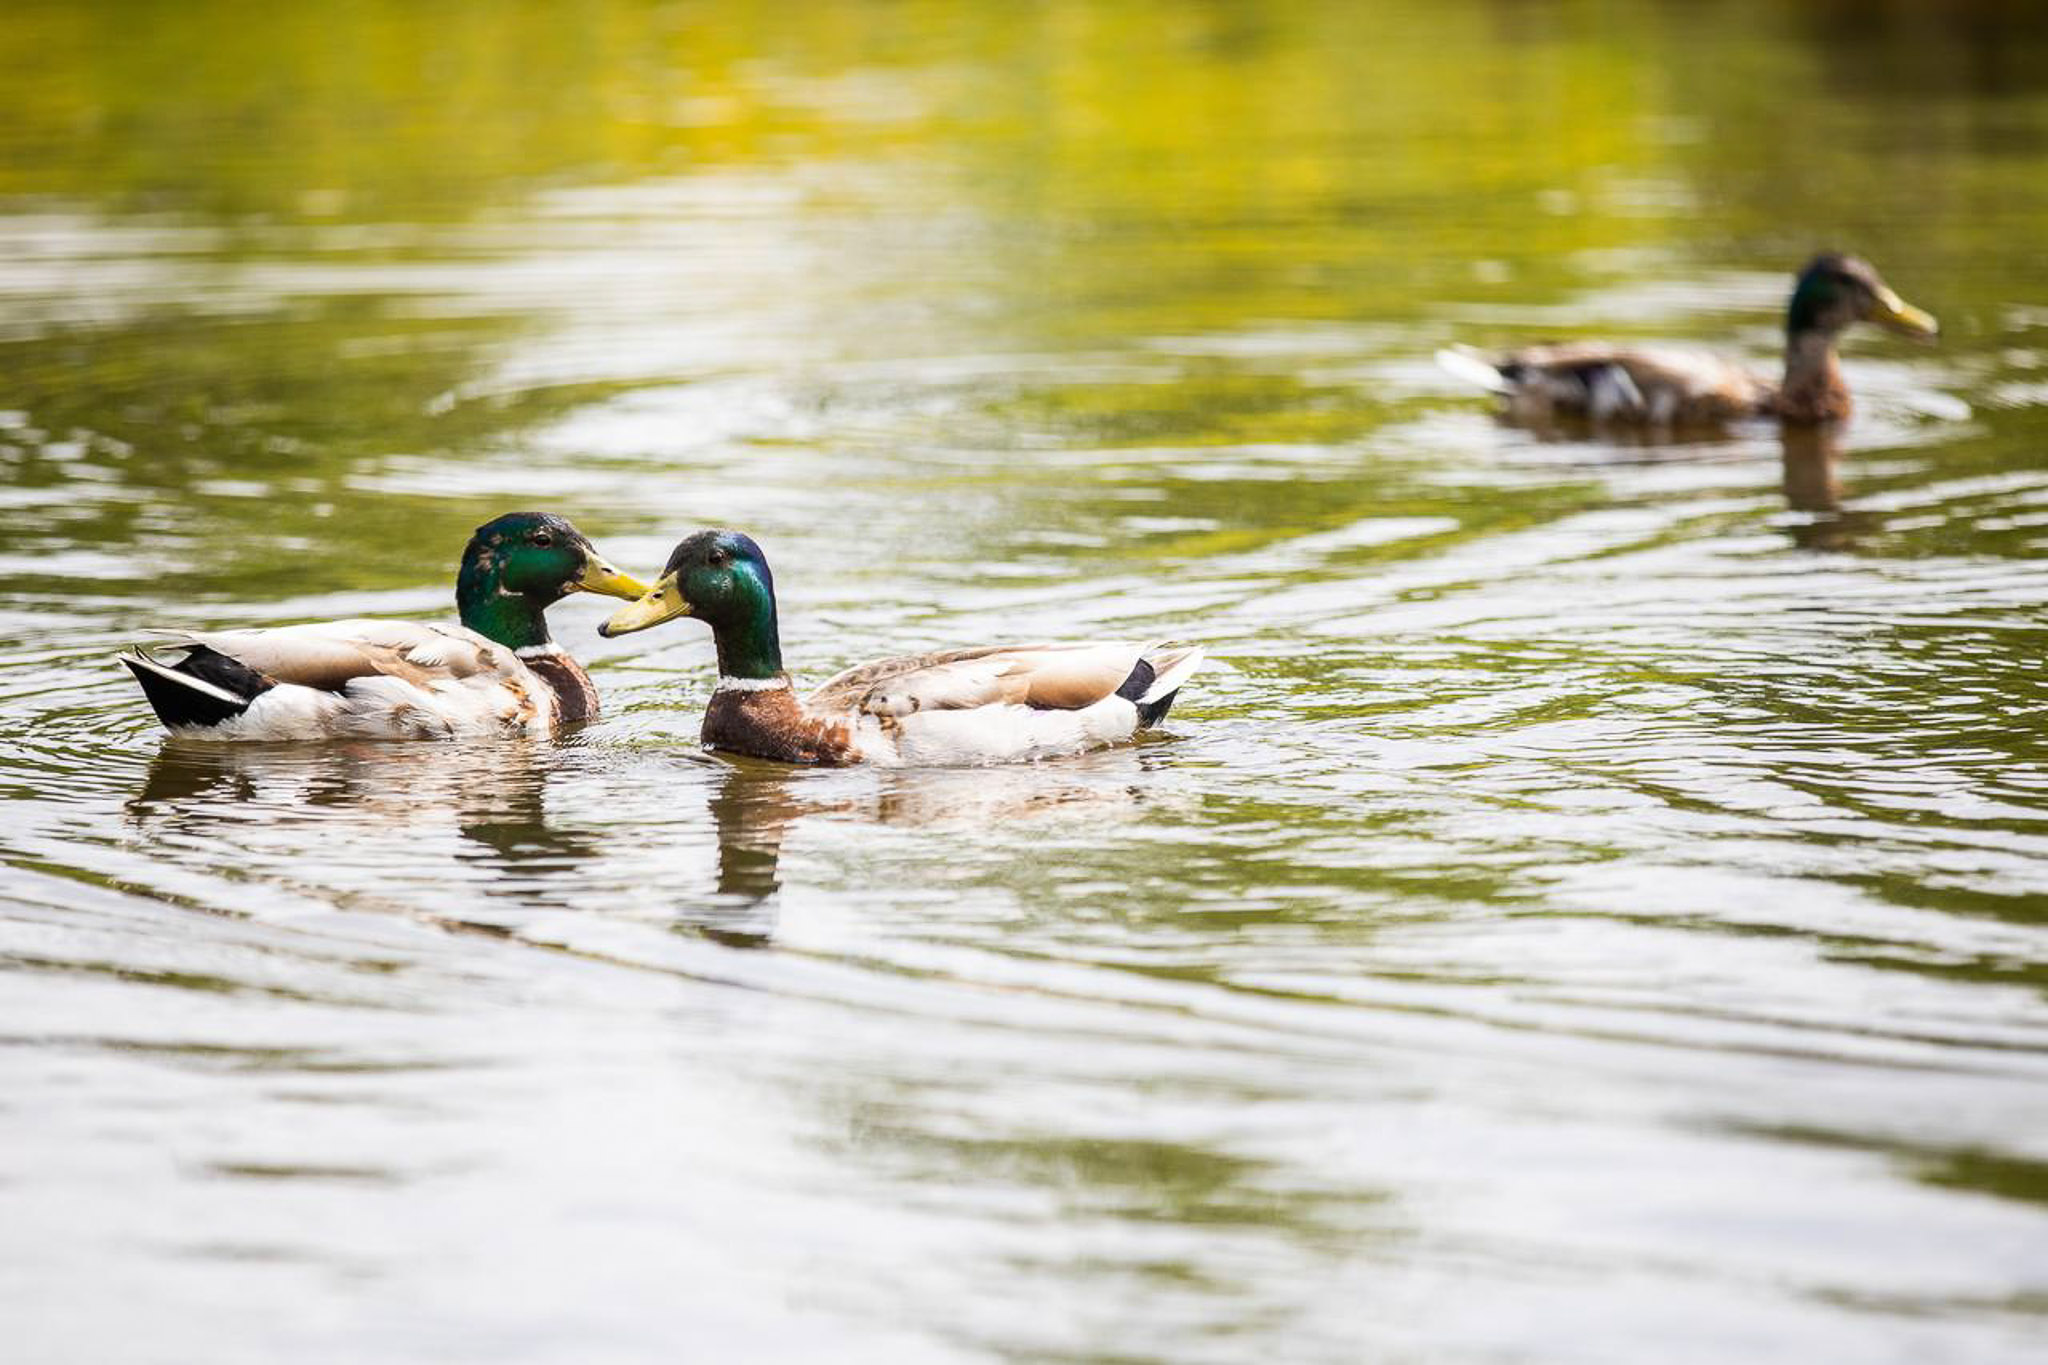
point(1044, 677)
point(328, 654)
point(1652, 384)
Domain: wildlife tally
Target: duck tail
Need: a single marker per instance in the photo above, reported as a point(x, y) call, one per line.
point(1474, 368)
point(1156, 678)
point(202, 690)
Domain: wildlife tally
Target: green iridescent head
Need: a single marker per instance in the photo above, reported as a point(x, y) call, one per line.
point(722, 579)
point(522, 563)
point(1835, 291)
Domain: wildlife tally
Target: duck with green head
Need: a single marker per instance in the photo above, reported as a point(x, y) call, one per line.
point(996, 704)
point(1646, 386)
point(498, 673)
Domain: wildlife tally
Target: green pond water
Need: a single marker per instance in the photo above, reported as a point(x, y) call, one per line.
point(1594, 909)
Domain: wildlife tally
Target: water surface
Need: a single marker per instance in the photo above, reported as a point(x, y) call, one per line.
point(1592, 911)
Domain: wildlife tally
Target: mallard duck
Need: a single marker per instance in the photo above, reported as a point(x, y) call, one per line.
point(966, 706)
point(498, 673)
point(1658, 387)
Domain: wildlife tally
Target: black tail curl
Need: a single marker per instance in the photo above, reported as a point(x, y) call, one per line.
point(222, 687)
point(1133, 690)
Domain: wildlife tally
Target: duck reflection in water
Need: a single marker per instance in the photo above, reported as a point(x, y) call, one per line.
point(752, 807)
point(1810, 457)
point(189, 780)
point(354, 801)
point(755, 804)
point(1813, 485)
point(332, 815)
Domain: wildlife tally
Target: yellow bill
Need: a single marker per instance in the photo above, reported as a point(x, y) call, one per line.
point(1895, 313)
point(663, 602)
point(600, 577)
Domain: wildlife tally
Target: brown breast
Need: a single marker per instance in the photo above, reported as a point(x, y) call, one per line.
point(774, 724)
point(1814, 390)
point(1822, 398)
point(575, 694)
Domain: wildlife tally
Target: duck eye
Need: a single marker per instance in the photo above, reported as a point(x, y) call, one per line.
point(543, 539)
point(719, 559)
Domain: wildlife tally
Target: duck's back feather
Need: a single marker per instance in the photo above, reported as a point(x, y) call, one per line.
point(1604, 382)
point(327, 654)
point(993, 705)
point(1043, 677)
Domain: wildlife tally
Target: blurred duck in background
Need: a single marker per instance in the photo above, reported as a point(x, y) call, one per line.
point(1658, 387)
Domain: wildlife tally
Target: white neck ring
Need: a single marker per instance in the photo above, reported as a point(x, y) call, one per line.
point(726, 684)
